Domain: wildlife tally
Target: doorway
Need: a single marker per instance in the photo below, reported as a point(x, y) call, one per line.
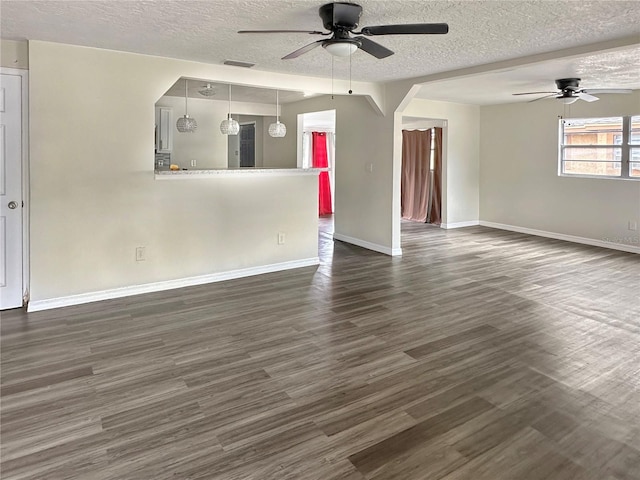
point(247, 140)
point(317, 149)
point(13, 155)
point(422, 188)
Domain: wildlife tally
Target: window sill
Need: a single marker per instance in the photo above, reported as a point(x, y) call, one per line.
point(598, 177)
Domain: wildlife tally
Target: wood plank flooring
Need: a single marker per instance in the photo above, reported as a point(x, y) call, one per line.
point(480, 354)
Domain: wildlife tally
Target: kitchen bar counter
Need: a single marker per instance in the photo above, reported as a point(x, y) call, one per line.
point(217, 172)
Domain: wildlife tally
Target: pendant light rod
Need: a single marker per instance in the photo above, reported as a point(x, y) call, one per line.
point(186, 95)
point(277, 106)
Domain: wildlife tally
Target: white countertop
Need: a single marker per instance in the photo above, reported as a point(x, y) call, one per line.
point(215, 172)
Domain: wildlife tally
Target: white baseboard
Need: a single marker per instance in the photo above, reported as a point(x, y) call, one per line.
point(449, 226)
point(562, 236)
point(47, 304)
point(368, 245)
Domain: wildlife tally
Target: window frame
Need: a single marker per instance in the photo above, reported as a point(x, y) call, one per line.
point(625, 149)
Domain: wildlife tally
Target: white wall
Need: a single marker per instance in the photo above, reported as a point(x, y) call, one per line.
point(273, 154)
point(461, 156)
point(519, 182)
point(363, 198)
point(93, 194)
point(14, 54)
point(409, 123)
point(207, 145)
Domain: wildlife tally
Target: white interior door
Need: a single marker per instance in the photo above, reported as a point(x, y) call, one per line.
point(10, 191)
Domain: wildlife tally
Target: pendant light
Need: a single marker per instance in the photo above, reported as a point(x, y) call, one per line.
point(229, 126)
point(186, 124)
point(277, 130)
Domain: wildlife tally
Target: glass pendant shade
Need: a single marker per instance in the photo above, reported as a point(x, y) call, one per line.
point(186, 124)
point(278, 129)
point(229, 126)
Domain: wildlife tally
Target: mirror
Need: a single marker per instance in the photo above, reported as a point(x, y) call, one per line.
point(207, 147)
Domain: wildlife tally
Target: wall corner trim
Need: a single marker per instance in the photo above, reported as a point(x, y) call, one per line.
point(470, 223)
point(561, 236)
point(395, 252)
point(38, 305)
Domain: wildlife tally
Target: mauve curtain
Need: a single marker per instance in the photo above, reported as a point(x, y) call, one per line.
point(435, 213)
point(415, 191)
point(320, 160)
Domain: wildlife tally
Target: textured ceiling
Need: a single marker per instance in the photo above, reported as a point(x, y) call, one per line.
point(480, 31)
point(609, 69)
point(239, 93)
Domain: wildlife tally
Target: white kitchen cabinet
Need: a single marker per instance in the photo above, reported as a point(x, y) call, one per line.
point(164, 129)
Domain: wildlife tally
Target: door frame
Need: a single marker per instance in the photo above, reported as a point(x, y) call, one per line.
point(24, 75)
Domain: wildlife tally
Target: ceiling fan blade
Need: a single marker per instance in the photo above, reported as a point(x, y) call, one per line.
point(311, 32)
point(407, 29)
point(586, 97)
point(606, 90)
point(305, 49)
point(542, 98)
point(532, 93)
point(373, 48)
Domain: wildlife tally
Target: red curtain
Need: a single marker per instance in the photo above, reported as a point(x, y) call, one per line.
point(320, 161)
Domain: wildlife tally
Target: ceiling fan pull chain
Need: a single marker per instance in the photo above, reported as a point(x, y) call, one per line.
point(350, 91)
point(332, 77)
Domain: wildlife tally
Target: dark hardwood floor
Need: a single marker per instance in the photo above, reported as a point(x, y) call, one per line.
point(480, 354)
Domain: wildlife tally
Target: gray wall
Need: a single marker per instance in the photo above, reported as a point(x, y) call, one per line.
point(519, 182)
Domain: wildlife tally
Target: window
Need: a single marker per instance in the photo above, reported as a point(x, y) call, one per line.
point(432, 153)
point(634, 154)
point(600, 147)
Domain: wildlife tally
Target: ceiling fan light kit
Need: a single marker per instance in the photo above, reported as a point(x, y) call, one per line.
point(568, 100)
point(341, 19)
point(569, 92)
point(342, 48)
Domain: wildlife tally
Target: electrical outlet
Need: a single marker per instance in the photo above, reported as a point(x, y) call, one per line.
point(140, 254)
point(281, 238)
point(633, 225)
point(369, 167)
point(194, 163)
